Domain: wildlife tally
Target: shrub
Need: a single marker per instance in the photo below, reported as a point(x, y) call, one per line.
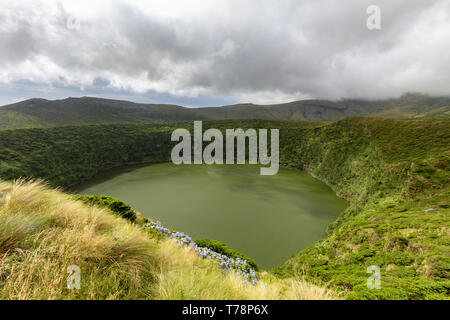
point(221, 248)
point(115, 205)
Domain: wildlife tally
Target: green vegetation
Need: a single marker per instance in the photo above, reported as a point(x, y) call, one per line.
point(34, 113)
point(81, 111)
point(396, 176)
point(44, 231)
point(66, 155)
point(394, 173)
point(221, 248)
point(116, 206)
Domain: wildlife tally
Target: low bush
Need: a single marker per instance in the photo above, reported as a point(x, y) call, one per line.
point(115, 205)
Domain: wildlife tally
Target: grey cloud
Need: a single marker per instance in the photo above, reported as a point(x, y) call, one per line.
point(319, 48)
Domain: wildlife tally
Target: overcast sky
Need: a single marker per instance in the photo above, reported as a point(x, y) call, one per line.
point(215, 52)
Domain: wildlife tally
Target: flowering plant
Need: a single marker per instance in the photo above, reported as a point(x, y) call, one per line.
point(237, 265)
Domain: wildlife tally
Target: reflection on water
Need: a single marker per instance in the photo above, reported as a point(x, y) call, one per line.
point(268, 218)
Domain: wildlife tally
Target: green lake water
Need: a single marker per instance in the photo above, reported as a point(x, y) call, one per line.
point(268, 218)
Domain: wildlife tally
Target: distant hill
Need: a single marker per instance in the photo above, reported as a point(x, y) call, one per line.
point(86, 110)
point(89, 110)
point(407, 106)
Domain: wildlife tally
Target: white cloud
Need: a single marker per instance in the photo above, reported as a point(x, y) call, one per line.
point(271, 97)
point(263, 51)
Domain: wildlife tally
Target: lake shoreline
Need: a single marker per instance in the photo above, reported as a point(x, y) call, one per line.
point(253, 214)
point(105, 169)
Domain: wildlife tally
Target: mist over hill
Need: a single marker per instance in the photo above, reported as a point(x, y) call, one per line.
point(90, 110)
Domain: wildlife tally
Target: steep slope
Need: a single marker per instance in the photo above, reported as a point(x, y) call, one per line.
point(44, 231)
point(86, 110)
point(394, 173)
point(66, 155)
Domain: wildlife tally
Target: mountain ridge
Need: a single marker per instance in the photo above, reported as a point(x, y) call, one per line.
point(38, 112)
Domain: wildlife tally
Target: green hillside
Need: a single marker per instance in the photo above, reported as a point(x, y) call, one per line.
point(405, 107)
point(86, 110)
point(394, 173)
point(43, 232)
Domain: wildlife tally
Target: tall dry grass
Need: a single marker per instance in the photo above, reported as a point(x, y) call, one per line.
point(44, 231)
point(185, 276)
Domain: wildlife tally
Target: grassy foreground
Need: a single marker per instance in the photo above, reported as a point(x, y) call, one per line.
point(44, 231)
point(394, 173)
